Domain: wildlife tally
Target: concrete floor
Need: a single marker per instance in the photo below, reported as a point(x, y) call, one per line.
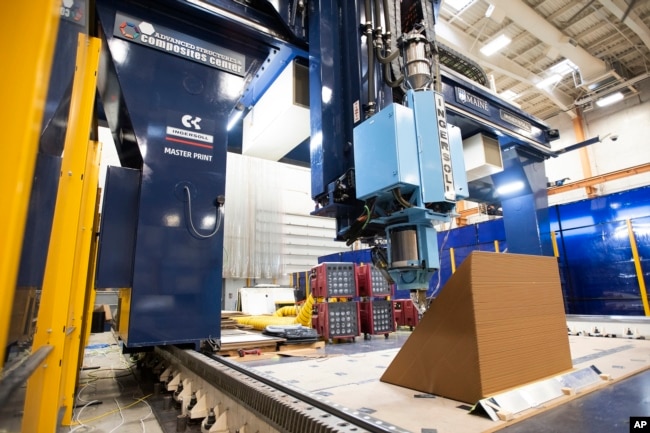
point(110, 398)
point(605, 411)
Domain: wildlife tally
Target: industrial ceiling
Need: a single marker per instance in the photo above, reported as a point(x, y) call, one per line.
point(607, 43)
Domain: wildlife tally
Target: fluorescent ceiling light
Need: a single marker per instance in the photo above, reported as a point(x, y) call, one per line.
point(566, 66)
point(508, 95)
point(458, 4)
point(610, 99)
point(549, 81)
point(511, 187)
point(495, 44)
point(489, 11)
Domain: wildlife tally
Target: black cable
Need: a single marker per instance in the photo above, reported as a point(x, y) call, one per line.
point(193, 231)
point(397, 194)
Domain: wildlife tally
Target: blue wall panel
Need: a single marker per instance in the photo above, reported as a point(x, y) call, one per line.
point(595, 255)
point(598, 271)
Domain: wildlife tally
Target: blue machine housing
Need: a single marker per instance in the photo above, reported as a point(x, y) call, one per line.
point(168, 101)
point(386, 151)
point(407, 151)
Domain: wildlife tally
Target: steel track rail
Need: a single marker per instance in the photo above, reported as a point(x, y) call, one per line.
point(283, 406)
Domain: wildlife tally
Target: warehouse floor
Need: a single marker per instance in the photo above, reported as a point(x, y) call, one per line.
point(349, 376)
point(109, 398)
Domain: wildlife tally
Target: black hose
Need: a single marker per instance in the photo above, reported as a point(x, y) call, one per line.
point(378, 31)
point(387, 59)
point(387, 74)
point(387, 20)
point(371, 61)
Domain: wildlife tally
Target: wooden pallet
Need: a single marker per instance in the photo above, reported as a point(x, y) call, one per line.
point(236, 342)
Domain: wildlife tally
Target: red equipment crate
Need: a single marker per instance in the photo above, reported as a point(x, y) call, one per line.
point(371, 282)
point(333, 280)
point(377, 317)
point(405, 312)
point(337, 319)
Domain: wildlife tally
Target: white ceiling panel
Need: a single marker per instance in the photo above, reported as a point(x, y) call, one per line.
point(545, 32)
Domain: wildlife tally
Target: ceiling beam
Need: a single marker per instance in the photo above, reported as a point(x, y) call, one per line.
point(559, 12)
point(529, 19)
point(461, 42)
point(633, 21)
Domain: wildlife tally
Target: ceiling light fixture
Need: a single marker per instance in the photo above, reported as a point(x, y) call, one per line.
point(495, 44)
point(563, 68)
point(549, 81)
point(609, 99)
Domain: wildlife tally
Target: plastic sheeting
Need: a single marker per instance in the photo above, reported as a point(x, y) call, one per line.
point(253, 218)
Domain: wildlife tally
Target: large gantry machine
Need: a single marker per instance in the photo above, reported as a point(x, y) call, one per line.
point(388, 121)
point(390, 109)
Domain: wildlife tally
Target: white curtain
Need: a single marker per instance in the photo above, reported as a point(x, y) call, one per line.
point(253, 218)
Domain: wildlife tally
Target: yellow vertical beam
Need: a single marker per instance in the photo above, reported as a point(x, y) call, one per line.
point(579, 131)
point(452, 257)
point(496, 246)
point(556, 251)
point(27, 38)
point(83, 253)
point(639, 270)
point(90, 285)
point(44, 395)
point(124, 296)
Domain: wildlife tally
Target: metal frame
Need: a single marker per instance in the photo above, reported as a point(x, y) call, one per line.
point(23, 86)
point(60, 315)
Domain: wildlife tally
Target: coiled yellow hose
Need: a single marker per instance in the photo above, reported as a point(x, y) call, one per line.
point(289, 310)
point(305, 312)
point(289, 315)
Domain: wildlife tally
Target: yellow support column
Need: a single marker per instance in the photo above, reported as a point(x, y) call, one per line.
point(452, 257)
point(27, 38)
point(556, 251)
point(579, 131)
point(83, 252)
point(90, 285)
point(496, 246)
point(59, 299)
point(637, 267)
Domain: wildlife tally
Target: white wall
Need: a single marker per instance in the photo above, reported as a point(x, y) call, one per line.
point(630, 121)
point(304, 237)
